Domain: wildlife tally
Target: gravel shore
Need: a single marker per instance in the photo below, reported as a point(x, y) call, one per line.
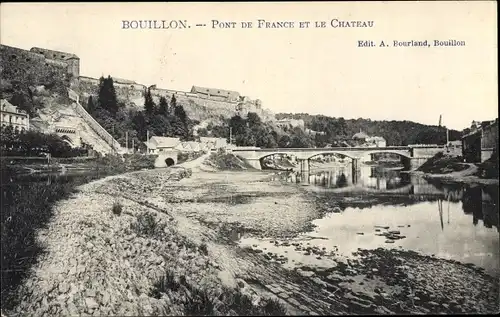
point(174, 223)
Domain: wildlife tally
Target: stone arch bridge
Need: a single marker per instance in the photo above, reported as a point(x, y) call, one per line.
point(411, 156)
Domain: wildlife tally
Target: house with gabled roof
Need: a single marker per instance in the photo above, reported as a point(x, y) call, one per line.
point(159, 144)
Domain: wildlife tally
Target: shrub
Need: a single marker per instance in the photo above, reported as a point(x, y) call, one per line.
point(117, 208)
point(146, 224)
point(203, 248)
point(165, 283)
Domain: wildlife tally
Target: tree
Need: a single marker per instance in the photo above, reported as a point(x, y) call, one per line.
point(180, 113)
point(90, 105)
point(149, 104)
point(163, 107)
point(139, 124)
point(173, 102)
point(284, 141)
point(107, 95)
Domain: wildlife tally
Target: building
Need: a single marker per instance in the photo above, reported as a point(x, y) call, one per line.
point(216, 94)
point(213, 143)
point(10, 115)
point(190, 146)
point(376, 141)
point(480, 142)
point(290, 123)
point(360, 137)
point(161, 144)
point(70, 59)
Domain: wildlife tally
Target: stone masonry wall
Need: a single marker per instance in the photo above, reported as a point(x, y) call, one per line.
point(28, 67)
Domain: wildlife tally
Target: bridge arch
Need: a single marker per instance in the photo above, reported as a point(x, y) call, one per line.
point(332, 152)
point(67, 139)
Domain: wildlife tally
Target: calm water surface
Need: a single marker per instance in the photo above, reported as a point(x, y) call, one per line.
point(452, 222)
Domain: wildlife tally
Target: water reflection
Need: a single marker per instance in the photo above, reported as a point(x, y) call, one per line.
point(434, 218)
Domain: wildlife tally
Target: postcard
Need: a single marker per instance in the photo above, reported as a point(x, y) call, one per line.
point(249, 158)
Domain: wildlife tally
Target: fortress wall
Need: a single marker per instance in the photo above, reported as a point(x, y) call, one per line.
point(25, 66)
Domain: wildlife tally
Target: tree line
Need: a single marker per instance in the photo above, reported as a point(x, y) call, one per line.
point(394, 132)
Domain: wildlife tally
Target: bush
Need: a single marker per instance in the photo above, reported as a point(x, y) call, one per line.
point(164, 284)
point(117, 208)
point(203, 248)
point(146, 224)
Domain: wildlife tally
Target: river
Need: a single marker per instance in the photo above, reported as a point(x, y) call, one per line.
point(457, 222)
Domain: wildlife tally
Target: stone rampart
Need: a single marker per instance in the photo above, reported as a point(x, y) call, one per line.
point(28, 67)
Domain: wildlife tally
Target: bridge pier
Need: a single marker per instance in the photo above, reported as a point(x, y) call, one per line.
point(304, 165)
point(356, 170)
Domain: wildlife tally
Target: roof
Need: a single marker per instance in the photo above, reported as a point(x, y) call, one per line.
point(162, 142)
point(360, 135)
point(215, 92)
point(208, 140)
point(190, 145)
point(8, 107)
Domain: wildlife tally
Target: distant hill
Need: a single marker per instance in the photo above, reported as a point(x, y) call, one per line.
point(394, 132)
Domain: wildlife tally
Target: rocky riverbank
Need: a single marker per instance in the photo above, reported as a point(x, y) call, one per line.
point(163, 242)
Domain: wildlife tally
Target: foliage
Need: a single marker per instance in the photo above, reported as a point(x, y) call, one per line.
point(443, 164)
point(160, 120)
point(147, 225)
point(27, 207)
point(394, 132)
point(117, 208)
point(32, 143)
point(149, 105)
point(107, 95)
point(227, 161)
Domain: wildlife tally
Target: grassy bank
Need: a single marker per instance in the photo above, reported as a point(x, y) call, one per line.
point(226, 161)
point(443, 164)
point(27, 206)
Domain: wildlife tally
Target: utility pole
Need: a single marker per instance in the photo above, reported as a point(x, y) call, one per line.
point(230, 135)
point(147, 141)
point(133, 147)
point(126, 140)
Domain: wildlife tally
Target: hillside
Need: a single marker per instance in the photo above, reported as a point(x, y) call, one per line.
point(395, 132)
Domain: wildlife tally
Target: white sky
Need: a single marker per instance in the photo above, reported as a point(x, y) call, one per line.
point(318, 71)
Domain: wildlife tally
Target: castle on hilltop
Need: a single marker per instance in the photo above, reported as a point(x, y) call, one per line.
point(39, 64)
